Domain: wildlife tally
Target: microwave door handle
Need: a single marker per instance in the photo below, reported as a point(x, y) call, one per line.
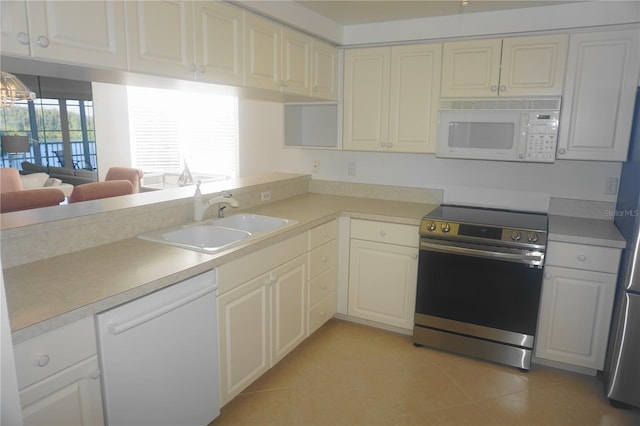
point(527, 257)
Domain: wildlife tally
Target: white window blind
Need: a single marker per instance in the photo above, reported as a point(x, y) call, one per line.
point(169, 128)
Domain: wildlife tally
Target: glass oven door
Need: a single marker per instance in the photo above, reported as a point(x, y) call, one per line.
point(497, 291)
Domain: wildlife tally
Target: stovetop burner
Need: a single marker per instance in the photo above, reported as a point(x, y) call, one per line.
point(486, 225)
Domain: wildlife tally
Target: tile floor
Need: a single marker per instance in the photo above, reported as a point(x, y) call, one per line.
point(350, 374)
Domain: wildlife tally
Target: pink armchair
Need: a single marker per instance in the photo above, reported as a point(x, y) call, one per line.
point(97, 190)
point(128, 173)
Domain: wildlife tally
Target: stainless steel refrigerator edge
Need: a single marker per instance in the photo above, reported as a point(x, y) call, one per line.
point(622, 368)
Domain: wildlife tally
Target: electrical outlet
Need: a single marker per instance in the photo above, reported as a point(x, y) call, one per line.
point(265, 196)
point(612, 186)
point(316, 166)
point(351, 168)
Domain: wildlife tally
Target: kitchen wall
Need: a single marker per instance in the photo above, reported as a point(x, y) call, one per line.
point(502, 184)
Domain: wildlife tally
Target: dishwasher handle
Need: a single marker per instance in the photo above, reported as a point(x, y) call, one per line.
point(118, 328)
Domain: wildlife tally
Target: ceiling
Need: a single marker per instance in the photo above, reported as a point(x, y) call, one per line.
point(353, 12)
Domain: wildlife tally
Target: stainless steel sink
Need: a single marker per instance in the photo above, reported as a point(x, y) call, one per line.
point(203, 238)
point(219, 234)
point(252, 222)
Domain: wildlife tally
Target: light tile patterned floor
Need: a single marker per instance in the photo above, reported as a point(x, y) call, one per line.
point(350, 374)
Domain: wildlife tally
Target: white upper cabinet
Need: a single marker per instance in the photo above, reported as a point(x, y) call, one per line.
point(219, 44)
point(390, 98)
point(518, 66)
point(276, 58)
point(14, 31)
point(598, 101)
point(160, 38)
point(87, 33)
point(324, 71)
point(262, 53)
point(184, 39)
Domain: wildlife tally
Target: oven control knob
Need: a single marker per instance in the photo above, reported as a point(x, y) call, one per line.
point(532, 237)
point(445, 227)
point(431, 226)
point(516, 235)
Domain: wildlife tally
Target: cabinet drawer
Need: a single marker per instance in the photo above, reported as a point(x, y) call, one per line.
point(322, 258)
point(322, 313)
point(580, 256)
point(322, 234)
point(239, 271)
point(45, 355)
point(384, 232)
point(322, 286)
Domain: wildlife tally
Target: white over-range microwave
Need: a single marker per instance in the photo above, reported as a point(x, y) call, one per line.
point(504, 129)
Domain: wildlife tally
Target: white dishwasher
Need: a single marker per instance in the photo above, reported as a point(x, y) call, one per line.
point(159, 356)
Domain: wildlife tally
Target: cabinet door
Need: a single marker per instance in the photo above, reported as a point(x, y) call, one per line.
point(575, 313)
point(288, 307)
point(366, 99)
point(324, 71)
point(14, 32)
point(244, 318)
point(599, 94)
point(81, 32)
point(69, 397)
point(219, 35)
point(296, 62)
point(533, 65)
point(471, 68)
point(160, 36)
point(382, 282)
point(262, 53)
point(415, 91)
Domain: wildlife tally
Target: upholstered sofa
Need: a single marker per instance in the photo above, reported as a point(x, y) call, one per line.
point(15, 197)
point(70, 176)
point(43, 181)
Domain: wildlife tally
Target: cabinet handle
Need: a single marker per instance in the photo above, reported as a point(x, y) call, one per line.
point(390, 144)
point(323, 286)
point(494, 88)
point(201, 69)
point(272, 281)
point(503, 88)
point(562, 151)
point(23, 38)
point(324, 259)
point(325, 234)
point(95, 373)
point(323, 313)
point(383, 233)
point(383, 144)
point(43, 360)
point(414, 256)
point(43, 41)
point(193, 67)
point(582, 258)
point(547, 276)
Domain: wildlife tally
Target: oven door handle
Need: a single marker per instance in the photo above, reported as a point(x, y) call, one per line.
point(533, 258)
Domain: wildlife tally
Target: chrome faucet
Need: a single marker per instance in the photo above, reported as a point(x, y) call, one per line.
point(200, 207)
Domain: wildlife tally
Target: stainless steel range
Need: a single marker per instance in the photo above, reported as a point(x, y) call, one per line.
point(479, 282)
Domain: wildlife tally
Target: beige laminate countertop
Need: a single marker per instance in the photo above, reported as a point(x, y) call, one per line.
point(49, 293)
point(597, 232)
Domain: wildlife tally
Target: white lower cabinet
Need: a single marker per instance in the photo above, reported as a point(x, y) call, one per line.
point(577, 300)
point(263, 318)
point(269, 301)
point(59, 377)
point(383, 267)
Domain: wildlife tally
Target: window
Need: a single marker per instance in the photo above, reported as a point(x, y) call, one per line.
point(59, 124)
point(170, 128)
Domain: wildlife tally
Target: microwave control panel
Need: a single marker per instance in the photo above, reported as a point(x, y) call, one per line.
point(541, 137)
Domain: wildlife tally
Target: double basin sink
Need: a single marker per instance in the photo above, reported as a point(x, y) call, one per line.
point(219, 234)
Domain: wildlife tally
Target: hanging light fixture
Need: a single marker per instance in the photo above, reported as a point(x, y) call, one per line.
point(12, 89)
